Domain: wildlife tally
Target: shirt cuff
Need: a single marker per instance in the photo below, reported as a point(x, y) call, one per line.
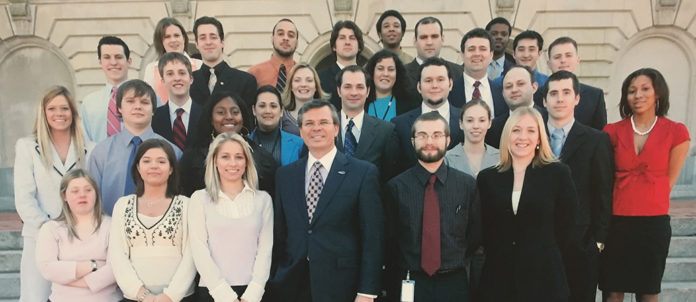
point(222, 292)
point(253, 292)
point(368, 296)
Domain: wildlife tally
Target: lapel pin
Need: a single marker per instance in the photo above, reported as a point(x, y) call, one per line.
point(341, 172)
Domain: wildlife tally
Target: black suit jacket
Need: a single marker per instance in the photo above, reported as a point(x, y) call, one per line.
point(378, 145)
point(403, 124)
point(228, 79)
point(412, 69)
point(162, 123)
point(328, 84)
point(457, 97)
point(523, 251)
point(344, 242)
point(496, 131)
point(591, 111)
point(589, 154)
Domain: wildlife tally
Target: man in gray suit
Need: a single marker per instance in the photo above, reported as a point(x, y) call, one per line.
point(363, 136)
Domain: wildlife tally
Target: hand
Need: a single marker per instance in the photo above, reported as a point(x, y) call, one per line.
point(162, 298)
point(82, 269)
point(360, 298)
point(78, 283)
point(600, 246)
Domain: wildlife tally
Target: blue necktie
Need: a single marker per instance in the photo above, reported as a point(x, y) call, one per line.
point(130, 185)
point(557, 142)
point(350, 143)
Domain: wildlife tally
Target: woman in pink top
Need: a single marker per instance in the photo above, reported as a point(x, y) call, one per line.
point(649, 150)
point(71, 250)
point(231, 225)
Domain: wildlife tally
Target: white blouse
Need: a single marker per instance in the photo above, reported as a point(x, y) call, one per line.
point(515, 200)
point(231, 242)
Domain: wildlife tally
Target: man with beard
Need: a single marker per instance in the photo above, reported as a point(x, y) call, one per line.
point(274, 71)
point(434, 85)
point(391, 27)
point(433, 219)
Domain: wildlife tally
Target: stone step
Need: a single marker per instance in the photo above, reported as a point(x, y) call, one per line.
point(671, 292)
point(683, 226)
point(10, 240)
point(9, 261)
point(682, 246)
point(9, 285)
point(680, 270)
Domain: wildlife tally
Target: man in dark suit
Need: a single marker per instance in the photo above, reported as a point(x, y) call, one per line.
point(434, 86)
point(369, 138)
point(346, 43)
point(518, 90)
point(433, 219)
point(588, 153)
point(428, 41)
point(592, 110)
point(500, 29)
point(176, 120)
point(329, 220)
point(215, 74)
point(474, 84)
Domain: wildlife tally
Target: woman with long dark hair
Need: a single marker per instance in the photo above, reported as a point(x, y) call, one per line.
point(268, 110)
point(392, 94)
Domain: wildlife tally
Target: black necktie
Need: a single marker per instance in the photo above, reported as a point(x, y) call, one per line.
point(280, 84)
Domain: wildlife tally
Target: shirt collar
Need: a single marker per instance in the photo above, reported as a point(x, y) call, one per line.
point(423, 175)
point(499, 62)
point(357, 120)
point(173, 107)
point(124, 137)
point(247, 190)
point(444, 109)
point(469, 81)
point(325, 161)
point(566, 128)
point(340, 66)
point(277, 60)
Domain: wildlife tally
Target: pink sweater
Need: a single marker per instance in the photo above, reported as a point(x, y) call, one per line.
point(57, 257)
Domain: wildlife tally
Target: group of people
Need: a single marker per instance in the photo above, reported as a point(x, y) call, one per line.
point(408, 179)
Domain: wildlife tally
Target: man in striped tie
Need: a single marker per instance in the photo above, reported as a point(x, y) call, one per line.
point(176, 119)
point(274, 71)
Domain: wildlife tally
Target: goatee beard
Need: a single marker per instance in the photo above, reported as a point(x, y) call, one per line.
point(284, 54)
point(435, 103)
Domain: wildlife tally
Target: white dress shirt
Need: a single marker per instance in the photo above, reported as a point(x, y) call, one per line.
point(357, 120)
point(326, 162)
point(484, 88)
point(443, 110)
point(184, 117)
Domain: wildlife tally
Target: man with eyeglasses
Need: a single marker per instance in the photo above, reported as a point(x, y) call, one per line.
point(433, 220)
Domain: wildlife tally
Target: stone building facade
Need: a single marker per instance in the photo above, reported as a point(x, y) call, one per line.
point(47, 42)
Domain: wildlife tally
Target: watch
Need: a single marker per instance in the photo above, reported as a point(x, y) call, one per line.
point(94, 265)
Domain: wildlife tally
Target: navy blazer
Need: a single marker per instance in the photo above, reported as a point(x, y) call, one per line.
point(328, 84)
point(403, 124)
point(378, 145)
point(590, 111)
point(342, 246)
point(162, 123)
point(457, 97)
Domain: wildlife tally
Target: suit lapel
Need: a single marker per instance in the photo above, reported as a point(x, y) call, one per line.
point(193, 120)
point(298, 188)
point(576, 137)
point(339, 169)
point(367, 137)
point(169, 133)
point(339, 137)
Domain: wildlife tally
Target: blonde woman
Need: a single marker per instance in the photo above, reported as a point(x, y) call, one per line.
point(303, 85)
point(149, 249)
point(528, 204)
point(231, 225)
point(71, 250)
point(56, 146)
point(169, 36)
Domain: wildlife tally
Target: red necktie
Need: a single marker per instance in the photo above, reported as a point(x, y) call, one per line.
point(430, 243)
point(113, 123)
point(477, 94)
point(179, 130)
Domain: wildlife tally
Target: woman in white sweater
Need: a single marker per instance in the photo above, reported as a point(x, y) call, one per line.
point(149, 249)
point(231, 225)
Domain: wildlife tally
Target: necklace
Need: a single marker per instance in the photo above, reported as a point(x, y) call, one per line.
point(635, 130)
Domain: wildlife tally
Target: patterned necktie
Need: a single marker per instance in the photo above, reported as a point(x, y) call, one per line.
point(350, 144)
point(179, 129)
point(476, 95)
point(282, 78)
point(212, 80)
point(557, 142)
point(113, 123)
point(430, 243)
point(130, 185)
point(316, 184)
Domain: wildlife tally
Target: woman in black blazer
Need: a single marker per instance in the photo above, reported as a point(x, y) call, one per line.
point(528, 204)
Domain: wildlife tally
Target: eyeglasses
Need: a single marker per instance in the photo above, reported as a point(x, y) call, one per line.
point(422, 136)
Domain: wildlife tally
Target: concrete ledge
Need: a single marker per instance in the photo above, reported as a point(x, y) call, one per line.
point(11, 240)
point(9, 285)
point(680, 269)
point(9, 261)
point(682, 246)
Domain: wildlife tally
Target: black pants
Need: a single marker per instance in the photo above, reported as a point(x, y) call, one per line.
point(582, 267)
point(295, 287)
point(441, 287)
point(203, 295)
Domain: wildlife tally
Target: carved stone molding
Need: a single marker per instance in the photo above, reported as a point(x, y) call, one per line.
point(19, 9)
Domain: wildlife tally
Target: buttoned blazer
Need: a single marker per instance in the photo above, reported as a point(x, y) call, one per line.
point(228, 79)
point(378, 145)
point(36, 187)
point(344, 242)
point(162, 123)
point(403, 124)
point(457, 97)
point(523, 251)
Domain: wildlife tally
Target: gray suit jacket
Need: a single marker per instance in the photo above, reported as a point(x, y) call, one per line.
point(456, 158)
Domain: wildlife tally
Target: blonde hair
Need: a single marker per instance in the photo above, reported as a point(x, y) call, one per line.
point(42, 131)
point(212, 176)
point(66, 215)
point(542, 156)
point(288, 97)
